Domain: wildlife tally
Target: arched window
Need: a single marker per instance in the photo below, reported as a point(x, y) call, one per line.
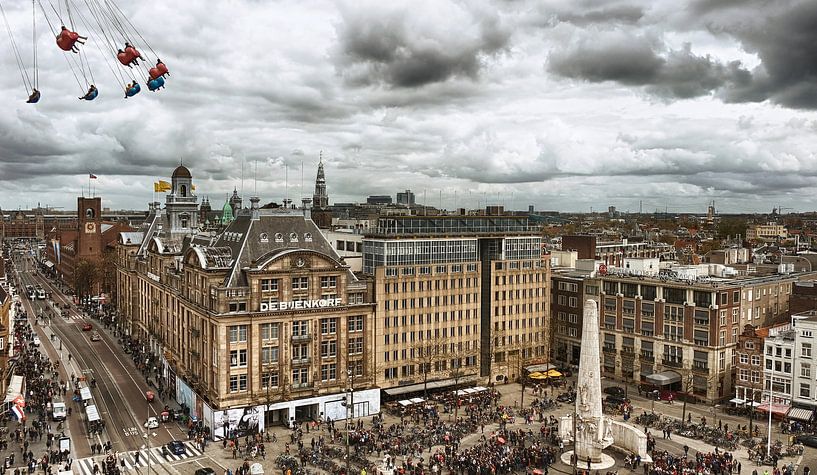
point(183, 190)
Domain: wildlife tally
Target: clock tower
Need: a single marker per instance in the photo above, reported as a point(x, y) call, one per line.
point(89, 217)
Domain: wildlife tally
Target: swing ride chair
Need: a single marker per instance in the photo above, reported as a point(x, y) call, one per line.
point(111, 33)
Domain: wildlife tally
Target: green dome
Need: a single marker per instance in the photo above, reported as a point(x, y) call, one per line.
point(226, 213)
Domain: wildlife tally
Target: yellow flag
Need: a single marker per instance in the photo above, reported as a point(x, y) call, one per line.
point(193, 187)
point(161, 186)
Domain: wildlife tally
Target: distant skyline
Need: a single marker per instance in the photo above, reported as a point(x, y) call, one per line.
point(562, 104)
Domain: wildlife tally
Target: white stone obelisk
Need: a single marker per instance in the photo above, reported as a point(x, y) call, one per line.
point(592, 431)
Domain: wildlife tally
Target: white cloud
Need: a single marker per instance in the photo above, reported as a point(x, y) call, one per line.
point(451, 97)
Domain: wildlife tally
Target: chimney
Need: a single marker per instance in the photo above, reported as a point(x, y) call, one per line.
point(306, 204)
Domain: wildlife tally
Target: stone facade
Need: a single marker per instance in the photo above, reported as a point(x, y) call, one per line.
point(227, 336)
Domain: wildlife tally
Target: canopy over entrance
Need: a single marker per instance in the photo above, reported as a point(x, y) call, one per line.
point(664, 378)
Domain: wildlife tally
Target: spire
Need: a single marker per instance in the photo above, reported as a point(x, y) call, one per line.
point(320, 199)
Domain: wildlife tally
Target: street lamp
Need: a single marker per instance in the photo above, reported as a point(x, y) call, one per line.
point(350, 412)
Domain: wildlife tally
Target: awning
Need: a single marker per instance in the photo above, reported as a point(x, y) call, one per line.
point(542, 368)
point(754, 404)
point(664, 378)
point(417, 400)
point(800, 414)
point(443, 383)
point(779, 409)
point(15, 388)
point(737, 400)
point(404, 402)
point(93, 414)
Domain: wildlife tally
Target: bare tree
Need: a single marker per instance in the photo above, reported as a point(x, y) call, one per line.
point(432, 356)
point(85, 276)
point(467, 352)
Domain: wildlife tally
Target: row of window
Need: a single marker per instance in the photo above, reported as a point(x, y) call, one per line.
point(300, 376)
point(436, 301)
point(298, 283)
point(407, 371)
point(409, 337)
point(426, 270)
point(271, 331)
point(300, 352)
point(438, 284)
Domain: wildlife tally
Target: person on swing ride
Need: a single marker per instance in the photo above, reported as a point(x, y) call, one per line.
point(67, 40)
point(134, 53)
point(91, 94)
point(132, 89)
point(34, 97)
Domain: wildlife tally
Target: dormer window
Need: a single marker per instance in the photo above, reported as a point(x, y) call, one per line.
point(307, 237)
point(264, 237)
point(279, 237)
point(293, 237)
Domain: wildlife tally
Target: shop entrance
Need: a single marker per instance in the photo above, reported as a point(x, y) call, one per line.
point(276, 417)
point(306, 413)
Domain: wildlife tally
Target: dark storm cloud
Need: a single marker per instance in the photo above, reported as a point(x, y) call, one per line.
point(785, 41)
point(781, 33)
point(614, 13)
point(386, 47)
point(638, 61)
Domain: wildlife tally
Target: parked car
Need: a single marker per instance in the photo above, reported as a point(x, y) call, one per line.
point(176, 447)
point(806, 439)
point(615, 400)
point(58, 411)
point(567, 397)
point(35, 341)
point(615, 391)
point(205, 471)
point(152, 423)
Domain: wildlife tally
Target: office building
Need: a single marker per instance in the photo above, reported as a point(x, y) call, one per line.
point(457, 296)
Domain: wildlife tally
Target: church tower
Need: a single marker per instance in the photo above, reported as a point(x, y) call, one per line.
point(320, 200)
point(235, 202)
point(181, 204)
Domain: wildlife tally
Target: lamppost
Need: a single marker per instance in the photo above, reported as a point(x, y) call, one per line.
point(350, 413)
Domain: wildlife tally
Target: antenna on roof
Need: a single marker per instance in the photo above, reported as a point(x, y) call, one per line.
point(242, 175)
point(255, 185)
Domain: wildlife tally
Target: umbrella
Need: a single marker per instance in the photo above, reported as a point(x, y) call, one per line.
point(537, 375)
point(256, 469)
point(552, 373)
point(537, 472)
point(500, 440)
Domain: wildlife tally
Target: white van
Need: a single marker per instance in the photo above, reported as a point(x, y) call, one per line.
point(58, 411)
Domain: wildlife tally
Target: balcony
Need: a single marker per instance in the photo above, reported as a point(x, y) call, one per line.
point(609, 349)
point(305, 385)
point(647, 357)
point(301, 361)
point(302, 337)
point(672, 363)
point(628, 349)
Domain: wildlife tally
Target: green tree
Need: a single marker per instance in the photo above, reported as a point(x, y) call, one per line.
point(732, 227)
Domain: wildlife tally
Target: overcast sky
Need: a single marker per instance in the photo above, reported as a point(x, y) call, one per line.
point(565, 105)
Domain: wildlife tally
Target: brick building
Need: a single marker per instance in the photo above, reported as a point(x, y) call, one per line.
point(87, 241)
